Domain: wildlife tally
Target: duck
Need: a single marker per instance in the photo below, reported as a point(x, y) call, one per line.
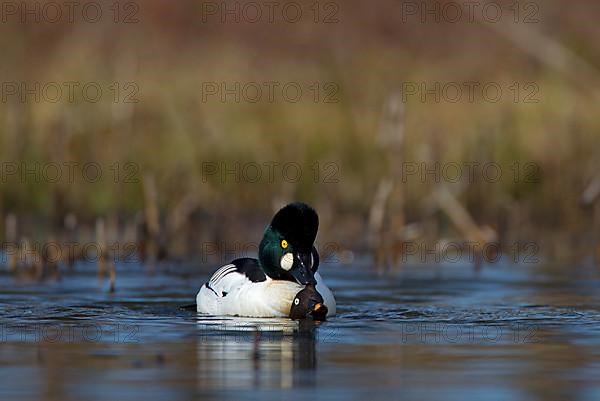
point(287, 264)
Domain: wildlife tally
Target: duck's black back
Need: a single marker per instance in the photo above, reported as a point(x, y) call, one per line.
point(250, 268)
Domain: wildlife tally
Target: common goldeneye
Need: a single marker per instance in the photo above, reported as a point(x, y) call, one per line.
point(266, 287)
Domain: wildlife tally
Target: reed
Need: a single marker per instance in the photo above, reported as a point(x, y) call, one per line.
point(153, 153)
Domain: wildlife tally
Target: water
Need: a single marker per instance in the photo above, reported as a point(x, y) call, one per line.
point(428, 333)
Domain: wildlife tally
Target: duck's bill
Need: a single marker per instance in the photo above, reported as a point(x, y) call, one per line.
point(319, 312)
point(301, 270)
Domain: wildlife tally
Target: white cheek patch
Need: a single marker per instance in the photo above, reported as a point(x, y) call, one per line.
point(287, 261)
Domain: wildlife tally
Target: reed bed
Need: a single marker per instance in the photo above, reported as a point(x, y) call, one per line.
point(158, 153)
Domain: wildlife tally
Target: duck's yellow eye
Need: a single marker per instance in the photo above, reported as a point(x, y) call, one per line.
point(284, 244)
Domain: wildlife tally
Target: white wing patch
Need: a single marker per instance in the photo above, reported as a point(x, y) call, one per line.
point(219, 274)
point(226, 280)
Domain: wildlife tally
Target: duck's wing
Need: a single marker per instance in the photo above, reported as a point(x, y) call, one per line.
point(231, 278)
point(238, 273)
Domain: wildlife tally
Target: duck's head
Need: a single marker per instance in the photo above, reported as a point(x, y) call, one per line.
point(308, 303)
point(286, 250)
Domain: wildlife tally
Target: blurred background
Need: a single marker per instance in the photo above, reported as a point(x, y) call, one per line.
point(181, 127)
point(451, 149)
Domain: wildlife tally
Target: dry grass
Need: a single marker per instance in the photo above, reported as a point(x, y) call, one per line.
point(171, 131)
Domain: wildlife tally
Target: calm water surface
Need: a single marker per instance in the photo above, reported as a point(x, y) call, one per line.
point(427, 333)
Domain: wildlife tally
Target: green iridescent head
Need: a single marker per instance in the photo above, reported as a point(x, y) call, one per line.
point(286, 251)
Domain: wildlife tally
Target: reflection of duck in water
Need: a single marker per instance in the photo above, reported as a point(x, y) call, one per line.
point(256, 353)
point(267, 286)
